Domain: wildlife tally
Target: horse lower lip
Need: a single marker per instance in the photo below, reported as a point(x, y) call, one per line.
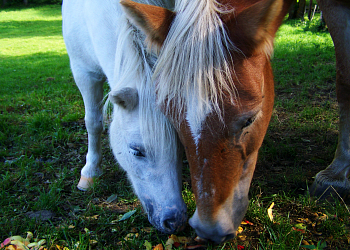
point(171, 224)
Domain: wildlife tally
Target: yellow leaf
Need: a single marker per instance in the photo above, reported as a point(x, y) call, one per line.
point(239, 230)
point(11, 247)
point(184, 240)
point(94, 217)
point(146, 230)
point(323, 217)
point(59, 247)
point(269, 211)
point(304, 242)
point(242, 237)
point(174, 237)
point(130, 236)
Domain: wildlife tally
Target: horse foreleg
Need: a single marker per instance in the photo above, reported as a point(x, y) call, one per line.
point(335, 177)
point(91, 88)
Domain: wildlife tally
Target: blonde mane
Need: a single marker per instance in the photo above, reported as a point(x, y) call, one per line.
point(193, 67)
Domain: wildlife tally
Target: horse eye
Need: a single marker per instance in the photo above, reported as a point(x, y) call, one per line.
point(136, 151)
point(248, 122)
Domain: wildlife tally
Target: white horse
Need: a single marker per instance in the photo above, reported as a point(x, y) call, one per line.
point(102, 45)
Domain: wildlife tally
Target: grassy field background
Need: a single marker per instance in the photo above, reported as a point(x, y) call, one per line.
point(43, 143)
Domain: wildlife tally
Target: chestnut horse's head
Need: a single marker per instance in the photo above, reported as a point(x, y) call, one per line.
point(215, 84)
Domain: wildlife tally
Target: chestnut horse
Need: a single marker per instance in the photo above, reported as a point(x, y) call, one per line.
point(215, 84)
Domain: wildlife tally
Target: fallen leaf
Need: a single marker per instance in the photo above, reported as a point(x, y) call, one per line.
point(94, 217)
point(146, 230)
point(245, 222)
point(93, 242)
point(239, 230)
point(269, 211)
point(112, 198)
point(300, 226)
point(304, 242)
point(29, 236)
point(6, 242)
point(174, 237)
point(147, 245)
point(131, 236)
point(177, 244)
point(127, 215)
point(200, 240)
point(242, 237)
point(158, 247)
point(299, 230)
point(184, 240)
point(323, 217)
point(169, 244)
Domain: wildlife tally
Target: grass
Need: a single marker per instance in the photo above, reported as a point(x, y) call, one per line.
point(43, 146)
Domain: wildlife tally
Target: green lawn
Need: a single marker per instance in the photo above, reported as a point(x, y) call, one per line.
point(43, 143)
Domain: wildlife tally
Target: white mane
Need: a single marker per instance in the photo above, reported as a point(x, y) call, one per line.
point(193, 67)
point(135, 65)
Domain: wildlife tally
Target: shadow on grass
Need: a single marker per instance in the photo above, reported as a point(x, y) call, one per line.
point(32, 72)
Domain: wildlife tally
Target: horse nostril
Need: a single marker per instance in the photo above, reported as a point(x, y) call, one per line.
point(170, 224)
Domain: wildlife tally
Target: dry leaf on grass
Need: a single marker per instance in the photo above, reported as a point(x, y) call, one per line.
point(269, 211)
point(18, 243)
point(158, 247)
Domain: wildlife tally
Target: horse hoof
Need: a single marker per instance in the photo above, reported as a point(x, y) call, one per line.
point(326, 191)
point(85, 183)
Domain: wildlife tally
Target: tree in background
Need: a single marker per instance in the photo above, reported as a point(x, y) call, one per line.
point(298, 9)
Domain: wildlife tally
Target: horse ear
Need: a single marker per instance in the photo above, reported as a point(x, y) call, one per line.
point(254, 28)
point(154, 21)
point(126, 98)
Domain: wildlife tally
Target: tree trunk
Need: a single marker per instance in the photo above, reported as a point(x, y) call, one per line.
point(25, 2)
point(301, 9)
point(292, 13)
point(4, 3)
point(309, 12)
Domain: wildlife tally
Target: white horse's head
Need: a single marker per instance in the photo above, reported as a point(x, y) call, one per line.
point(147, 148)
